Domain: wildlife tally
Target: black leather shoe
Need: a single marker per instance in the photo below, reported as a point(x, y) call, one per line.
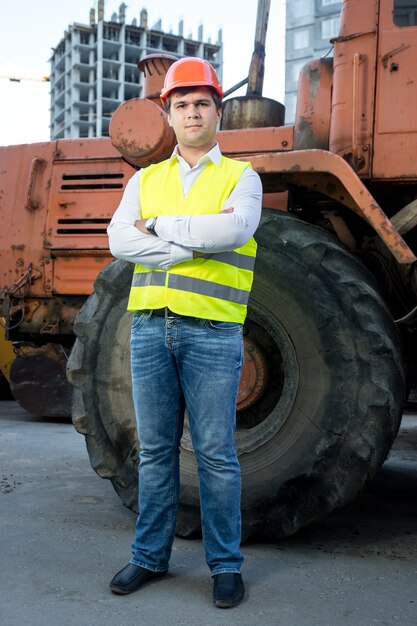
point(228, 590)
point(131, 578)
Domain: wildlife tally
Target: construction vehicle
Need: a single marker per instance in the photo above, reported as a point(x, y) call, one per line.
point(330, 334)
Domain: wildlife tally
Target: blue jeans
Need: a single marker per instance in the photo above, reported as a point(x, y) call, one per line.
point(180, 363)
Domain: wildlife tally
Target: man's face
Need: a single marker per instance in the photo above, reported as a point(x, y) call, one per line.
point(194, 118)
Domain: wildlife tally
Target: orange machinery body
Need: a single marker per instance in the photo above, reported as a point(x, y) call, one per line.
point(360, 105)
point(55, 204)
point(353, 115)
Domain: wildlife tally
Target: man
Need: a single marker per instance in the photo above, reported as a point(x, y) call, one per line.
point(188, 223)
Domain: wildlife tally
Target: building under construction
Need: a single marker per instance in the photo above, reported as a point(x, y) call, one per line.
point(94, 68)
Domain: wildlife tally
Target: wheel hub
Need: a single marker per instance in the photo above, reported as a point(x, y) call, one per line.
point(254, 377)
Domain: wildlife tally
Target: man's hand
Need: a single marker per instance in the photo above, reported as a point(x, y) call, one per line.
point(140, 225)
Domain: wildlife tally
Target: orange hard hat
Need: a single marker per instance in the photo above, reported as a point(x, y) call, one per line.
point(190, 72)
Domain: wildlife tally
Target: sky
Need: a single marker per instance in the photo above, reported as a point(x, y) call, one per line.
point(32, 28)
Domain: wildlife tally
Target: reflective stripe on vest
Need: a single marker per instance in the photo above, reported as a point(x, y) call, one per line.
point(195, 285)
point(213, 286)
point(232, 258)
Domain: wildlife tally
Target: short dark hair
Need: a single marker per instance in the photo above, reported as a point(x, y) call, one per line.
point(184, 90)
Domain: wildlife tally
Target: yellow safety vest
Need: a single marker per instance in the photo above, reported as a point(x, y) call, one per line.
point(216, 286)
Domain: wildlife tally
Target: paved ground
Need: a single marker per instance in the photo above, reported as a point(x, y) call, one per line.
point(64, 533)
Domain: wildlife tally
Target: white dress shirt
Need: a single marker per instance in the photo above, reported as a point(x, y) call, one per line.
point(179, 235)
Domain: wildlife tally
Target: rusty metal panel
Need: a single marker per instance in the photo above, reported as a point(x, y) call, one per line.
point(57, 197)
point(312, 117)
point(25, 176)
point(255, 140)
point(396, 97)
point(84, 196)
point(353, 99)
point(91, 149)
point(88, 180)
point(76, 274)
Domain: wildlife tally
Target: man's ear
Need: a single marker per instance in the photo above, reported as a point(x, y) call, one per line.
point(169, 119)
point(219, 114)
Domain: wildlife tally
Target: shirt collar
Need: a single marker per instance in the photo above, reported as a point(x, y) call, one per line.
point(214, 155)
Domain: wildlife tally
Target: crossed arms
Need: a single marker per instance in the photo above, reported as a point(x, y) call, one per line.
point(179, 236)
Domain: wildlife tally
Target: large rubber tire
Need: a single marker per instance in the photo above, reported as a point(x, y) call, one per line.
point(330, 410)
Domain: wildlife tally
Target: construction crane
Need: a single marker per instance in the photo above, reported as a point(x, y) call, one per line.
point(16, 78)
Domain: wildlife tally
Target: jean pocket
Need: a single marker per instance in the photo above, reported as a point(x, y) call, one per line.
point(139, 319)
point(224, 328)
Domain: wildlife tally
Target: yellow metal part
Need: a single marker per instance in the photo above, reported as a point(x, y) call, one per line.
point(7, 354)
